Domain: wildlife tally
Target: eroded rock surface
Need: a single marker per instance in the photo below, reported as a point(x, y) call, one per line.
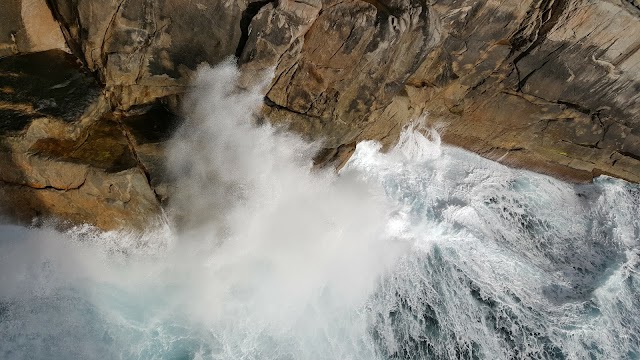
point(337, 62)
point(62, 155)
point(146, 49)
point(550, 85)
point(546, 85)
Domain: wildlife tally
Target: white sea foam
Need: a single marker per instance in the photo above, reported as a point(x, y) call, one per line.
point(424, 252)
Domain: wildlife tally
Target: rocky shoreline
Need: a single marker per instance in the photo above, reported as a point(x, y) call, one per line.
point(89, 91)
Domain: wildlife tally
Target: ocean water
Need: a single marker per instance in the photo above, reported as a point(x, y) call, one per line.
point(425, 252)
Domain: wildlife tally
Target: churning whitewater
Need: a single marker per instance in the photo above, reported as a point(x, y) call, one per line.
point(425, 252)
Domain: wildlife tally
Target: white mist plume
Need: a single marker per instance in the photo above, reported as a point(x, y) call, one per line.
point(269, 249)
point(281, 235)
point(276, 261)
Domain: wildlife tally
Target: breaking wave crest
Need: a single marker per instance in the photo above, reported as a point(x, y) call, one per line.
point(425, 252)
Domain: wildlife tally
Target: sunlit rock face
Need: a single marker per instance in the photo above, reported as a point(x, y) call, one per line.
point(28, 26)
point(548, 85)
point(63, 155)
point(142, 50)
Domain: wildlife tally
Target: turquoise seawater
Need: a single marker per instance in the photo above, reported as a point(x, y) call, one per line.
point(426, 252)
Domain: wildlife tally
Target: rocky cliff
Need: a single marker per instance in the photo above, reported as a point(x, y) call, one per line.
point(549, 85)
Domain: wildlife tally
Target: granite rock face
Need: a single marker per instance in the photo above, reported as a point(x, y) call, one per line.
point(146, 49)
point(63, 154)
point(336, 62)
point(548, 85)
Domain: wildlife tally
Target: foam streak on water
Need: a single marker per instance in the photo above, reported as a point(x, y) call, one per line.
point(427, 252)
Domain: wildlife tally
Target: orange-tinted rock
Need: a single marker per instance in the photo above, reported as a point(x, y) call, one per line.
point(552, 86)
point(62, 156)
point(28, 26)
point(548, 85)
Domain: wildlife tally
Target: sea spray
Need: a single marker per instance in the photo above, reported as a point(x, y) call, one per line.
point(426, 252)
point(282, 235)
point(516, 264)
point(271, 260)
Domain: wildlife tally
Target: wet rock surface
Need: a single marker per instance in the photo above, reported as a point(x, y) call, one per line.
point(150, 130)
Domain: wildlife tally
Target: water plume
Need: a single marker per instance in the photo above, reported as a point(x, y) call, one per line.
point(266, 245)
point(425, 252)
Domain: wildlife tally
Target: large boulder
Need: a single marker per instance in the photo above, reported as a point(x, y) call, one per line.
point(63, 155)
point(337, 62)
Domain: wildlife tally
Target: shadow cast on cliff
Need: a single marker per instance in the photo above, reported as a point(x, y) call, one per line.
point(65, 155)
